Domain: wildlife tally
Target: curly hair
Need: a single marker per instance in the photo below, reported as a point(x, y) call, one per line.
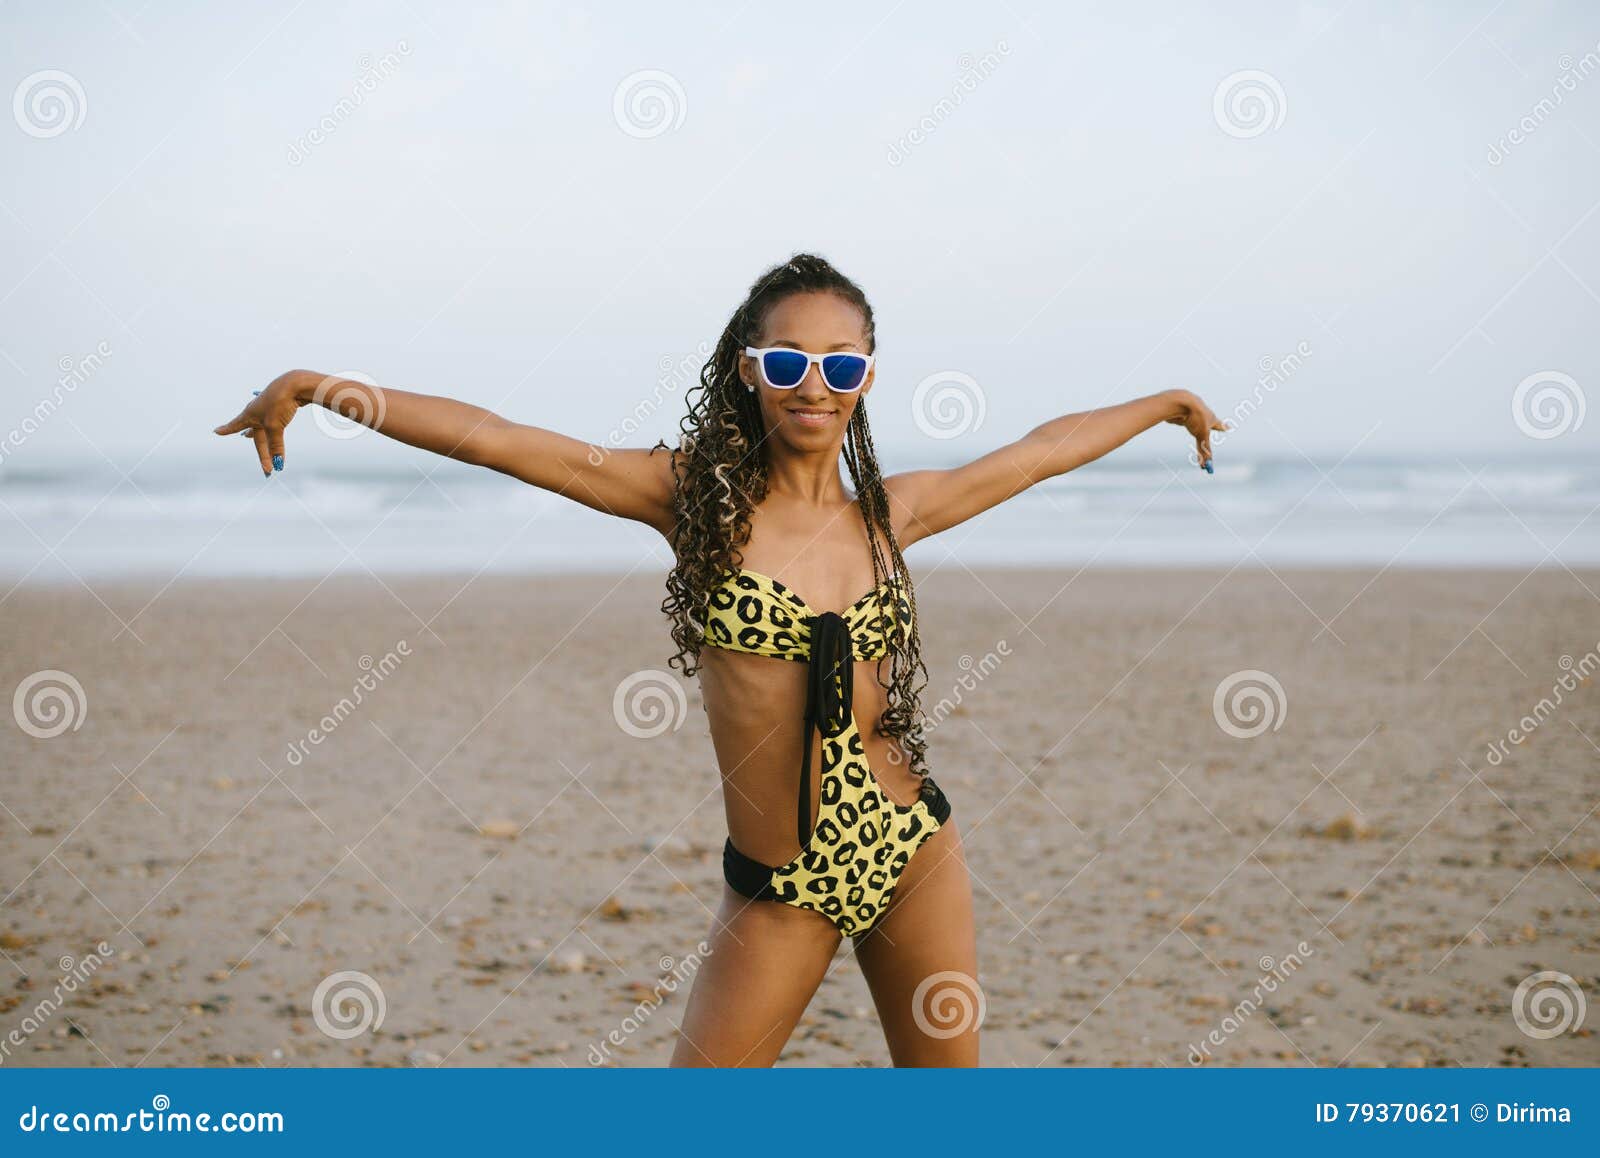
point(720, 476)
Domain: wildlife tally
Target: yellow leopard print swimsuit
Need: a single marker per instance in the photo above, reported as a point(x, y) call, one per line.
point(852, 859)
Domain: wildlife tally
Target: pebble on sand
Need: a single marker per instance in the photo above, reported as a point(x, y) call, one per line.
point(566, 961)
point(1347, 827)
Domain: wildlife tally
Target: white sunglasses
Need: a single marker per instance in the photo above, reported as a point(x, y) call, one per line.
point(783, 368)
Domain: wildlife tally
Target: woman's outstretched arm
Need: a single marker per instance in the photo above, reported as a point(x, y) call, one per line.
point(632, 484)
point(926, 502)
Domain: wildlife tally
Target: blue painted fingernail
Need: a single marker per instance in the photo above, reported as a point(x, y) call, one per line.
point(1207, 465)
point(277, 462)
point(255, 393)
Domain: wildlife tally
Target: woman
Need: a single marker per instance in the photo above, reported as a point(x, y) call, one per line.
point(857, 840)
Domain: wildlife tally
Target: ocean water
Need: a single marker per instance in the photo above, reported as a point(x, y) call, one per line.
point(87, 520)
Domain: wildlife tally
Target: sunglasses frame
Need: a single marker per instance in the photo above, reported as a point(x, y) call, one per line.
point(760, 353)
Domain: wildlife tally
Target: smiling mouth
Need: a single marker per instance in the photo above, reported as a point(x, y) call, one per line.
point(804, 412)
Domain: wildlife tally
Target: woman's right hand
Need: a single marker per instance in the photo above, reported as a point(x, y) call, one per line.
point(630, 483)
point(269, 412)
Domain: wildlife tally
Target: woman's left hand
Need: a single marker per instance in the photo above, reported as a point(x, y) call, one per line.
point(1199, 420)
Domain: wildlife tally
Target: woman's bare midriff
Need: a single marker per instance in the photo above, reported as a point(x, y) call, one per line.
point(755, 706)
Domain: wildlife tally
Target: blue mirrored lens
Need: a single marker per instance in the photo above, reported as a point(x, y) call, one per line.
point(844, 372)
point(785, 368)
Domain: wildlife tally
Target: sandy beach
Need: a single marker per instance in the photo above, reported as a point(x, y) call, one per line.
point(518, 874)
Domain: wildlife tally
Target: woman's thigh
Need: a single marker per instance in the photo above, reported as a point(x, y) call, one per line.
point(766, 962)
point(921, 960)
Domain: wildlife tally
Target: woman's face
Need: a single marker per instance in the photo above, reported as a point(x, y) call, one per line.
point(810, 417)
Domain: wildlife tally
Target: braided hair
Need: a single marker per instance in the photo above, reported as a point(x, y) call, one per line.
point(720, 476)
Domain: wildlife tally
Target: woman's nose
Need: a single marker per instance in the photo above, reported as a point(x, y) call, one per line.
point(812, 388)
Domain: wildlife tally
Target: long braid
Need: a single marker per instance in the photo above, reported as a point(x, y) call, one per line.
point(720, 476)
point(908, 674)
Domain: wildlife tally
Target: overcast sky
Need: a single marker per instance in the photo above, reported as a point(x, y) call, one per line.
point(1065, 206)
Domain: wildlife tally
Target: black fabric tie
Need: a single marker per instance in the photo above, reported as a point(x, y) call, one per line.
point(830, 691)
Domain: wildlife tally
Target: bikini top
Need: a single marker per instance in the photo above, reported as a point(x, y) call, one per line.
point(758, 615)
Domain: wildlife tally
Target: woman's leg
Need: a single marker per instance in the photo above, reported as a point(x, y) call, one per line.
point(921, 960)
point(766, 961)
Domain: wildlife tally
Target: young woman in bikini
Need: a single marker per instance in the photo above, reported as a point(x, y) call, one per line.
point(835, 830)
